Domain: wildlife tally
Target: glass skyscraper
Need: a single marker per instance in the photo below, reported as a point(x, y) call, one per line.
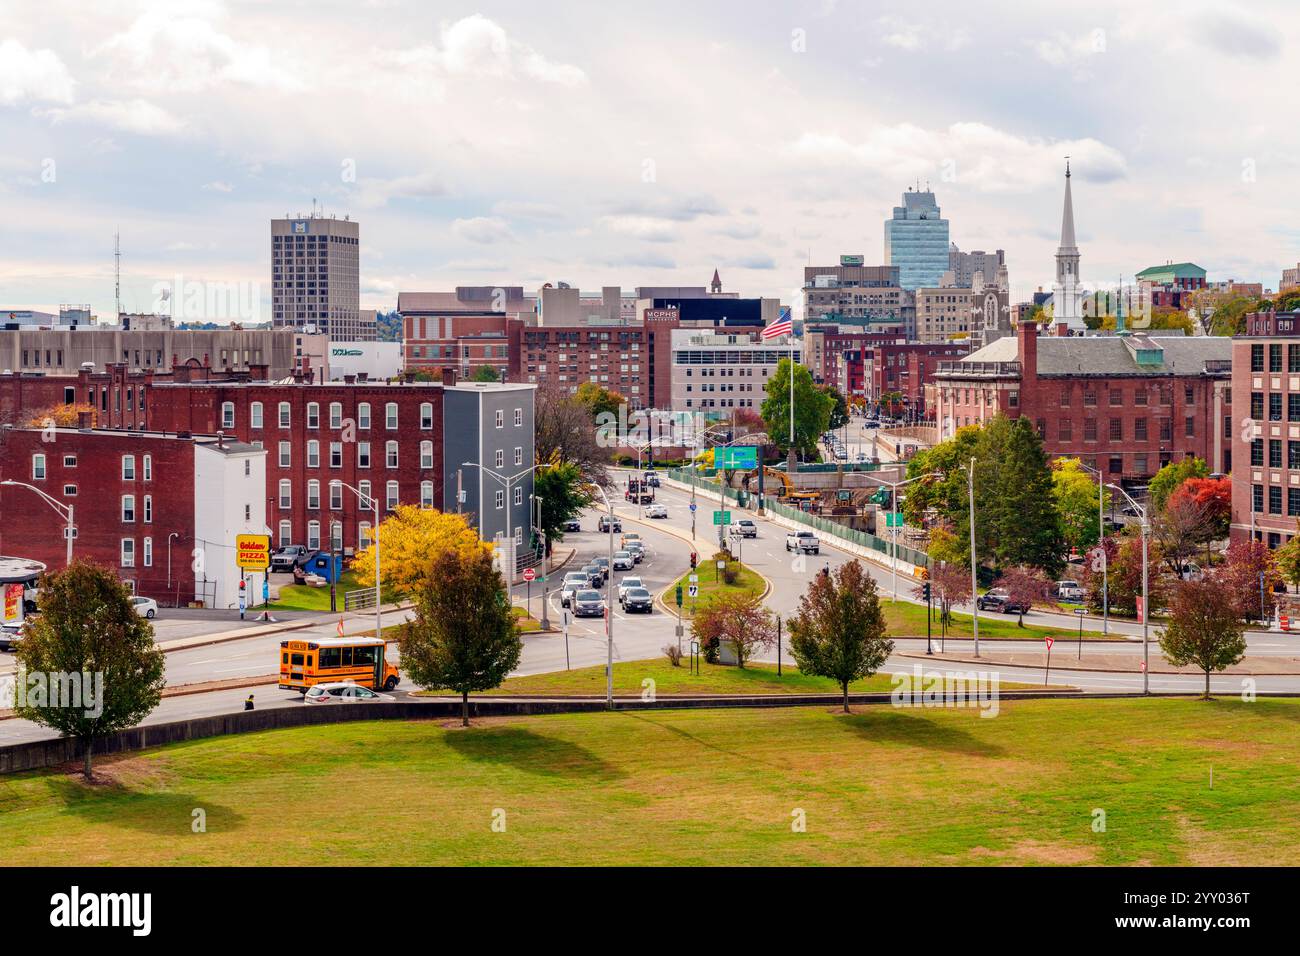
point(916, 240)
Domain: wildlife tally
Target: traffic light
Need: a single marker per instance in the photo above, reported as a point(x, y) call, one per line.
point(925, 591)
point(679, 595)
point(694, 557)
point(242, 584)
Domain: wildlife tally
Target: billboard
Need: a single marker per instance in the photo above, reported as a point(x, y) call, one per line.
point(253, 552)
point(853, 260)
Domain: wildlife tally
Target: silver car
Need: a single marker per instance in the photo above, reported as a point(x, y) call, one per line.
point(623, 561)
point(588, 604)
point(574, 582)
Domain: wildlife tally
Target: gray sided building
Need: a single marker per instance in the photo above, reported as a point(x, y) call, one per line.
point(64, 351)
point(490, 425)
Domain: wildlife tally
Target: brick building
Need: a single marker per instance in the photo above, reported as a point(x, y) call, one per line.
point(1266, 438)
point(1126, 404)
point(161, 509)
point(906, 368)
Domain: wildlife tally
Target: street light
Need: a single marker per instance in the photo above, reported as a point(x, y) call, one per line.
point(64, 511)
point(372, 502)
point(609, 606)
point(974, 587)
point(893, 492)
point(510, 531)
point(1101, 547)
point(1146, 599)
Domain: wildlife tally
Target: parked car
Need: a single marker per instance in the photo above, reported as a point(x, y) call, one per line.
point(744, 528)
point(342, 693)
point(145, 607)
point(623, 561)
point(802, 541)
point(999, 600)
point(588, 604)
point(657, 511)
point(638, 599)
point(1069, 591)
point(637, 550)
point(574, 582)
point(573, 524)
point(288, 557)
point(627, 584)
point(11, 634)
point(604, 523)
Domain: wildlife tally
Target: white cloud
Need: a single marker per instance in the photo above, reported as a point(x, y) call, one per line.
point(133, 116)
point(32, 75)
point(641, 227)
point(1062, 49)
point(373, 192)
point(218, 186)
point(485, 230)
point(477, 47)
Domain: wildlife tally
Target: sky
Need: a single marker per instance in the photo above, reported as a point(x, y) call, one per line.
point(620, 143)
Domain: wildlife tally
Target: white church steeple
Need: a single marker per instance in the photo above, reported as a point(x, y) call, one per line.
point(1066, 294)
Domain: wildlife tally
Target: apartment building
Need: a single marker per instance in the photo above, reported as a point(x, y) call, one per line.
point(316, 277)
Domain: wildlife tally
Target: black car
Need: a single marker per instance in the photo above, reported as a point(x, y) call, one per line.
point(289, 557)
point(638, 600)
point(998, 600)
point(604, 524)
point(595, 575)
point(572, 525)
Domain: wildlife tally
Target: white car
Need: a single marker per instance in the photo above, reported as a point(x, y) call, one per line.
point(344, 692)
point(744, 528)
point(656, 511)
point(623, 561)
point(627, 584)
point(145, 607)
point(574, 582)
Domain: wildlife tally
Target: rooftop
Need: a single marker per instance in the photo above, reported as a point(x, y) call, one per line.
point(1058, 356)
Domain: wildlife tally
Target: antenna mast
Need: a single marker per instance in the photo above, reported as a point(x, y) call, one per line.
point(117, 275)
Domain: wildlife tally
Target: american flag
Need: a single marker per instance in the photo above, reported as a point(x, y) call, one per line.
point(782, 326)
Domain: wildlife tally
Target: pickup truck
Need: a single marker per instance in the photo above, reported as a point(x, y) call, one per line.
point(802, 541)
point(288, 557)
point(744, 528)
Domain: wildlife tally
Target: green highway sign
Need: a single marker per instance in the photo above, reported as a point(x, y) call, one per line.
point(735, 457)
point(722, 517)
point(893, 519)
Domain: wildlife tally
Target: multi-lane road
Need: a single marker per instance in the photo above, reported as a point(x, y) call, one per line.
point(669, 542)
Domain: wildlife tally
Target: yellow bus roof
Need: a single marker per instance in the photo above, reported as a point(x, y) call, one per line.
point(337, 641)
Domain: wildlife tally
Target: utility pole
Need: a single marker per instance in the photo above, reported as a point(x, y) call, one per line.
point(974, 594)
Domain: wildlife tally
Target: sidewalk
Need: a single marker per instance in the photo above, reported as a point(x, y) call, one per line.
point(1064, 658)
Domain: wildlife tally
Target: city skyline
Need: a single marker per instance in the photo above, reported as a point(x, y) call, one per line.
point(182, 128)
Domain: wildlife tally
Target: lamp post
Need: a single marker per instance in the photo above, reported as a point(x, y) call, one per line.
point(974, 591)
point(508, 483)
point(1146, 597)
point(893, 493)
point(64, 511)
point(372, 502)
point(1101, 547)
point(609, 606)
point(541, 537)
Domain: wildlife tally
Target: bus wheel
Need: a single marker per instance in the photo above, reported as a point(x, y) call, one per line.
point(390, 683)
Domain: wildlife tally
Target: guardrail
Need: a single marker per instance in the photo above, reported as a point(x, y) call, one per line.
point(359, 600)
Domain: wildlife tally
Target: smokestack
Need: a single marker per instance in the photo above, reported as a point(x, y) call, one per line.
point(448, 376)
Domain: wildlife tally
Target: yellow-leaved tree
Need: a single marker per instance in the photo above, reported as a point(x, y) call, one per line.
point(411, 539)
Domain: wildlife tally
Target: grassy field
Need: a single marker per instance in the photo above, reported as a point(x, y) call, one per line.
point(300, 597)
point(748, 581)
point(883, 785)
point(908, 620)
point(753, 678)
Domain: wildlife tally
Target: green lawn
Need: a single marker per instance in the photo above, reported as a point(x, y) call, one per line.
point(882, 786)
point(753, 678)
point(711, 584)
point(299, 597)
point(905, 619)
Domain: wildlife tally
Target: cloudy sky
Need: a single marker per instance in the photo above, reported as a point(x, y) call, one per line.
point(632, 143)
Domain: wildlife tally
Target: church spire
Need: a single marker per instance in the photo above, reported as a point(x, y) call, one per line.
point(1067, 216)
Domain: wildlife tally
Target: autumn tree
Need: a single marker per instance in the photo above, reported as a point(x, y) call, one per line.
point(1247, 578)
point(949, 585)
point(838, 630)
point(1213, 496)
point(464, 636)
point(1203, 630)
point(88, 635)
point(63, 416)
point(1287, 558)
point(1074, 491)
point(1168, 479)
point(1124, 579)
point(947, 495)
point(740, 619)
point(411, 539)
point(1181, 527)
point(599, 400)
point(812, 408)
point(1025, 586)
point(563, 433)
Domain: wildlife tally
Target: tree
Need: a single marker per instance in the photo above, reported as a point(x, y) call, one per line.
point(1247, 578)
point(838, 630)
point(88, 635)
point(485, 373)
point(1203, 630)
point(411, 540)
point(1075, 494)
point(1213, 496)
point(812, 409)
point(63, 416)
point(1287, 558)
point(599, 400)
point(1124, 580)
point(464, 637)
point(1025, 586)
point(839, 411)
point(946, 495)
point(740, 619)
point(950, 584)
point(563, 495)
point(562, 432)
point(1172, 475)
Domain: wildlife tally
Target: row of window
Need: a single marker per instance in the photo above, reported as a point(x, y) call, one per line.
point(1275, 500)
point(1141, 431)
point(1274, 357)
point(285, 415)
point(1275, 406)
point(39, 467)
point(1275, 453)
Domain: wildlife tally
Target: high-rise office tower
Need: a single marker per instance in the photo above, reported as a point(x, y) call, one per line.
point(316, 277)
point(916, 240)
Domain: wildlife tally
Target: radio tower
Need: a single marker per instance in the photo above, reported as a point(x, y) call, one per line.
point(117, 276)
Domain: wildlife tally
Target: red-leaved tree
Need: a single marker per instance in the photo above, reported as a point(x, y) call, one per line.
point(1247, 579)
point(1025, 586)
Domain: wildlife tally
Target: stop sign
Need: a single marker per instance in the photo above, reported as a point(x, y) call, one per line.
point(529, 574)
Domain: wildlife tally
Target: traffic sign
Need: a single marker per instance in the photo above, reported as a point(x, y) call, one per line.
point(722, 517)
point(1050, 642)
point(693, 578)
point(1080, 611)
point(529, 574)
point(893, 519)
point(692, 506)
point(695, 590)
point(738, 456)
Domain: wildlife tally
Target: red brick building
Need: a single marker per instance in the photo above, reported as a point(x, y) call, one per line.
point(906, 368)
point(1126, 404)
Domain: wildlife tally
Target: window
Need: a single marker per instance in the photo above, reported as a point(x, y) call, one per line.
point(284, 414)
point(284, 454)
point(500, 458)
point(128, 467)
point(1293, 502)
point(1293, 454)
point(128, 508)
point(1116, 397)
point(1274, 453)
point(1116, 464)
point(500, 418)
point(1257, 453)
point(128, 553)
point(390, 454)
point(286, 494)
point(336, 415)
point(519, 495)
point(336, 454)
point(148, 509)
point(1065, 429)
point(69, 491)
point(1292, 410)
point(1257, 358)
point(1117, 429)
point(313, 495)
point(364, 488)
point(313, 415)
point(313, 454)
point(363, 535)
point(38, 467)
point(1166, 429)
point(336, 496)
point(1257, 498)
point(147, 462)
point(391, 495)
point(426, 454)
point(1275, 357)
point(286, 534)
point(426, 416)
point(69, 461)
point(390, 416)
point(1140, 396)
point(227, 414)
point(148, 552)
point(1090, 429)
point(336, 535)
point(1274, 406)
point(1293, 358)
point(519, 417)
point(363, 415)
point(255, 415)
point(313, 535)
point(1139, 429)
point(1274, 500)
point(500, 498)
point(519, 455)
point(363, 454)
point(1189, 426)
point(426, 494)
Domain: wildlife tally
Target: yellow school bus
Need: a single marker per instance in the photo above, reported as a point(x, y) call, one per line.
point(362, 660)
